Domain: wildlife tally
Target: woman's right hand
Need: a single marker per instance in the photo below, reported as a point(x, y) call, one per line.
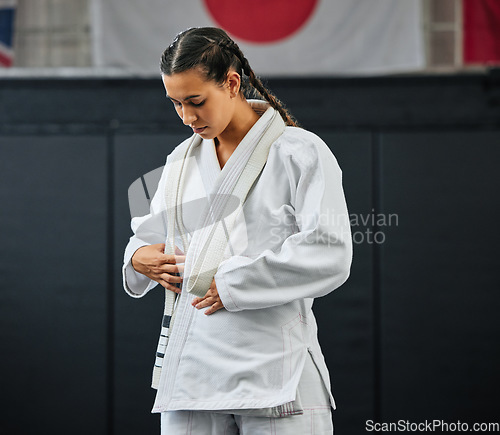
point(152, 262)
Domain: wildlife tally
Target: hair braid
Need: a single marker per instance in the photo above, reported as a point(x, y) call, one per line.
point(262, 90)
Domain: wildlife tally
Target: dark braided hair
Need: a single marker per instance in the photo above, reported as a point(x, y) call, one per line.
point(212, 51)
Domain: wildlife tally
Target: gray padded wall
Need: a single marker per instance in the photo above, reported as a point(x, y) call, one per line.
point(53, 284)
point(411, 335)
point(440, 286)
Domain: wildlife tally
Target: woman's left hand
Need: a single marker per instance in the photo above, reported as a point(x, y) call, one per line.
point(211, 299)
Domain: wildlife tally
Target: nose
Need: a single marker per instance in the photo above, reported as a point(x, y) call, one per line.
point(188, 116)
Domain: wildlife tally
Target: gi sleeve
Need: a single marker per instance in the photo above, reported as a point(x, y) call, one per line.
point(313, 261)
point(148, 230)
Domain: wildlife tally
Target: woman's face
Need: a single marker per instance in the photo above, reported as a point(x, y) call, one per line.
point(203, 105)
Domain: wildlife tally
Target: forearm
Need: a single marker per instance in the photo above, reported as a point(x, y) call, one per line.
point(306, 271)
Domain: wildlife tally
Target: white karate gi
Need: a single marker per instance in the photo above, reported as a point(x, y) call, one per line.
point(291, 244)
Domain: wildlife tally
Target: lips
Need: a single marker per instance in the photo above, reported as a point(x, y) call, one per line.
point(198, 130)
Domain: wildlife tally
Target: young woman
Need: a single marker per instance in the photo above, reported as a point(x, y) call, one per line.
point(248, 225)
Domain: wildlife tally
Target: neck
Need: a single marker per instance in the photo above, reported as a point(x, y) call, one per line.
point(243, 120)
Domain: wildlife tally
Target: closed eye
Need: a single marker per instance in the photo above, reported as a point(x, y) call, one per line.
point(179, 104)
point(198, 104)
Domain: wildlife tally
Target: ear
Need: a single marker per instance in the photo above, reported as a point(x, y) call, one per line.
point(233, 82)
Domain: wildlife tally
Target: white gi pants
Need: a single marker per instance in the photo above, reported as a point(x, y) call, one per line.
point(316, 419)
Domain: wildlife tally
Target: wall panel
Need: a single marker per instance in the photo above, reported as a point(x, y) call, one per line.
point(440, 287)
point(53, 278)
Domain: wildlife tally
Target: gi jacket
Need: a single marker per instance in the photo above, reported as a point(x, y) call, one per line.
point(291, 243)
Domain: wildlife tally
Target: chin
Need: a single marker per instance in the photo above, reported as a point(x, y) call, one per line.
point(207, 135)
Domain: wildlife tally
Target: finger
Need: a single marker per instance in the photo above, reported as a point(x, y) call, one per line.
point(208, 294)
point(169, 286)
point(195, 301)
point(179, 258)
point(172, 259)
point(215, 307)
point(172, 279)
point(170, 268)
point(206, 302)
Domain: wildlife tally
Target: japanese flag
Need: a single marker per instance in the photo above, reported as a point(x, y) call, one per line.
point(279, 37)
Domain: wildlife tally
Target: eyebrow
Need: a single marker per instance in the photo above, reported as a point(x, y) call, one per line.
point(185, 99)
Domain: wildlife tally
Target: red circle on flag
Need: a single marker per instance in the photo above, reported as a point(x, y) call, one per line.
point(261, 20)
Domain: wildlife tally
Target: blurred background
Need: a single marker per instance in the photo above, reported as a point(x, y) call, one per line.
point(407, 95)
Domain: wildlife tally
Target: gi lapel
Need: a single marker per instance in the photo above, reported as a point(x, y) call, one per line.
point(234, 184)
point(173, 194)
point(207, 246)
